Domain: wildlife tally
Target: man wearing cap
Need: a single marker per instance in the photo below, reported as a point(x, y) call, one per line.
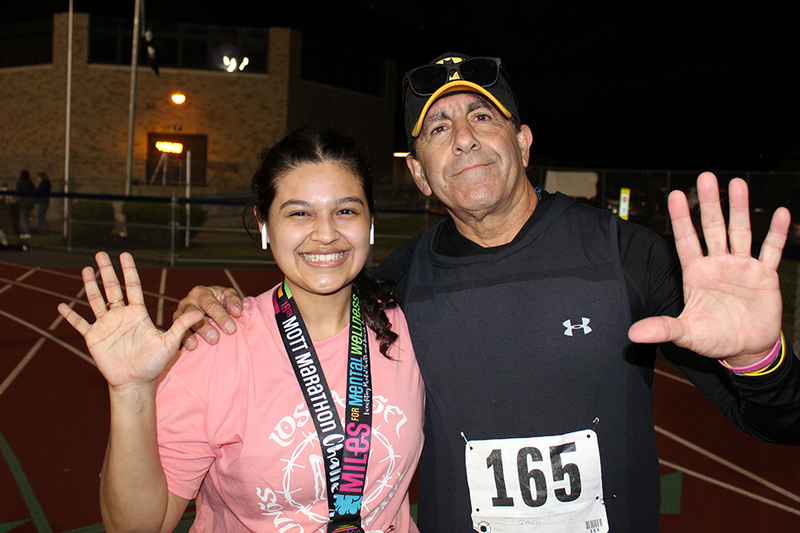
point(535, 320)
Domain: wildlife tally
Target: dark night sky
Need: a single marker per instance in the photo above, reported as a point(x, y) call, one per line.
point(672, 85)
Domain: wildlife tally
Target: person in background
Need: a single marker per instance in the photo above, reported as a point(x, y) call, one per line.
point(42, 203)
point(234, 426)
point(6, 222)
point(536, 320)
point(26, 201)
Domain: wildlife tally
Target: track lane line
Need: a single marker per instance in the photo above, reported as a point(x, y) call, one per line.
point(29, 356)
point(758, 479)
point(25, 488)
point(679, 379)
point(724, 462)
point(162, 288)
point(53, 338)
point(69, 298)
point(233, 282)
point(724, 485)
point(45, 270)
point(13, 283)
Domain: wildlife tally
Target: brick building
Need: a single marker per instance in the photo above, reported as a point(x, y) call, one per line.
point(230, 114)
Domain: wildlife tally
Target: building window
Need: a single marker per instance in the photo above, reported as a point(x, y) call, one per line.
point(194, 54)
point(166, 158)
point(110, 41)
point(356, 70)
point(181, 45)
point(26, 43)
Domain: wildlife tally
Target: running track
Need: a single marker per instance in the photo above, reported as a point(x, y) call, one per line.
point(54, 420)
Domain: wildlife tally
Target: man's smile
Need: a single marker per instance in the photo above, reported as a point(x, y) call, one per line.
point(472, 166)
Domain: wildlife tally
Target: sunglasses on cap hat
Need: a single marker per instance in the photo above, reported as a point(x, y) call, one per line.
point(451, 73)
point(427, 79)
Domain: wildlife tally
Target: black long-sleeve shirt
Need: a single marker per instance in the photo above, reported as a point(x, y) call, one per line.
point(488, 326)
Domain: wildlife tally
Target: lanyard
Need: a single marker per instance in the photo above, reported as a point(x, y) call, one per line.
point(345, 450)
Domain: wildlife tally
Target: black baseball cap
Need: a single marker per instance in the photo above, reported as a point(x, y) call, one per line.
point(454, 73)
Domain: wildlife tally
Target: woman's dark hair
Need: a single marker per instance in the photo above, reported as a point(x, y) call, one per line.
point(326, 145)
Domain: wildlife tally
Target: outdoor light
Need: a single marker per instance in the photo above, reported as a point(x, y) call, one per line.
point(178, 98)
point(230, 63)
point(169, 147)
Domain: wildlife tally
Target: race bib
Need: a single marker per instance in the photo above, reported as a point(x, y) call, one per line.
point(552, 483)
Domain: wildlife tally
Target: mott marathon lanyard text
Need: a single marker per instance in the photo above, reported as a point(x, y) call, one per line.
point(345, 450)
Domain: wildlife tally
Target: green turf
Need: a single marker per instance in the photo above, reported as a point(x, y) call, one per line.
point(671, 493)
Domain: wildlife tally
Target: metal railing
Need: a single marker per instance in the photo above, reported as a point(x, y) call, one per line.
point(177, 230)
point(215, 230)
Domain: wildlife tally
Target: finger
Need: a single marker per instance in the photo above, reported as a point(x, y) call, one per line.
point(207, 331)
point(213, 308)
point(739, 234)
point(655, 330)
point(202, 327)
point(111, 284)
point(192, 300)
point(772, 249)
point(133, 285)
point(189, 340)
point(686, 240)
point(74, 319)
point(181, 326)
point(711, 218)
point(232, 301)
point(93, 294)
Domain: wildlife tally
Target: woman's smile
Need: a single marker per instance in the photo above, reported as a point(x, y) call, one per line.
point(323, 258)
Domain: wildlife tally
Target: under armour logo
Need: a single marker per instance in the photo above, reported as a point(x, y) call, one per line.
point(584, 325)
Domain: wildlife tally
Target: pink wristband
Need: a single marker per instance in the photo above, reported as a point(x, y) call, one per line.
point(760, 365)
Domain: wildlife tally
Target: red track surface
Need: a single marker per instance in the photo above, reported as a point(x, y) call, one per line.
point(54, 419)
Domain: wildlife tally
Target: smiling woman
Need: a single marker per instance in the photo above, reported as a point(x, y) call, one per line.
point(318, 225)
point(220, 425)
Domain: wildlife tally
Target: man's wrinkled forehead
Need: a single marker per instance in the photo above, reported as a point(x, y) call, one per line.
point(443, 110)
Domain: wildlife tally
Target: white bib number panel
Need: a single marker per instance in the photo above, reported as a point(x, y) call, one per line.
point(551, 483)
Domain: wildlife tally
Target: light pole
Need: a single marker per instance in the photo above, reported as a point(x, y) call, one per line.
point(132, 105)
point(68, 124)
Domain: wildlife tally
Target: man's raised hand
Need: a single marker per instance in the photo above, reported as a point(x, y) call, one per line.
point(732, 300)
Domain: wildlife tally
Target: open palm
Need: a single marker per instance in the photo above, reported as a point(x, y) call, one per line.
point(123, 341)
point(733, 302)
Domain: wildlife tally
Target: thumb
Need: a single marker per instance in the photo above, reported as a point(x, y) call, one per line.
point(656, 329)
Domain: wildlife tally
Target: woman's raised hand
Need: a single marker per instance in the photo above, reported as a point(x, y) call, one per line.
point(127, 347)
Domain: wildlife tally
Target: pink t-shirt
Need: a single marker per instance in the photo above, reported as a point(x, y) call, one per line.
point(233, 424)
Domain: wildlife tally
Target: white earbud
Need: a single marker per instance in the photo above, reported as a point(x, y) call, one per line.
point(372, 233)
point(264, 243)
